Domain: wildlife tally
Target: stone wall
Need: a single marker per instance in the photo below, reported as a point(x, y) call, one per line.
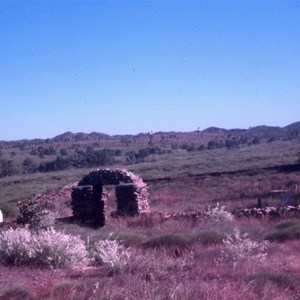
point(89, 197)
point(88, 206)
point(270, 212)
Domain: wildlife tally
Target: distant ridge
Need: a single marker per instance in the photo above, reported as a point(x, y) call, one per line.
point(293, 126)
point(264, 131)
point(80, 136)
point(268, 133)
point(261, 132)
point(215, 130)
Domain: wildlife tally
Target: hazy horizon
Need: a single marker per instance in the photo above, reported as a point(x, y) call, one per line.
point(127, 67)
point(151, 132)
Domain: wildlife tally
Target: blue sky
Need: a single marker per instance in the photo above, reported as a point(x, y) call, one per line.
point(125, 67)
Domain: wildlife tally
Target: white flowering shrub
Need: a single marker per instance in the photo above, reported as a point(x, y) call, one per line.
point(16, 246)
point(46, 247)
point(219, 214)
point(58, 249)
point(110, 252)
point(241, 248)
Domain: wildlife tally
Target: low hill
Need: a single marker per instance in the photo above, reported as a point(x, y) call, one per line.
point(80, 136)
point(170, 139)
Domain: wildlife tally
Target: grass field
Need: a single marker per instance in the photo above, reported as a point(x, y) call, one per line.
point(177, 258)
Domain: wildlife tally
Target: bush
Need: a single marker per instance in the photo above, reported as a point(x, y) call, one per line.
point(16, 246)
point(7, 168)
point(218, 214)
point(56, 249)
point(43, 248)
point(32, 212)
point(110, 252)
point(240, 248)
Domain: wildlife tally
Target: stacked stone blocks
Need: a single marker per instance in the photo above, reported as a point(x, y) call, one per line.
point(89, 197)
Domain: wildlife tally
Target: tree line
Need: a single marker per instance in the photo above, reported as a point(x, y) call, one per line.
point(79, 159)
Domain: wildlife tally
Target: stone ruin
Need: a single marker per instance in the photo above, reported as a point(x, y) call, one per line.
point(89, 197)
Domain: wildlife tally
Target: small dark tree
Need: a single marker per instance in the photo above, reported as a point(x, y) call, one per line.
point(7, 168)
point(232, 144)
point(33, 152)
point(32, 212)
point(201, 148)
point(58, 164)
point(256, 140)
point(63, 152)
point(29, 165)
point(118, 152)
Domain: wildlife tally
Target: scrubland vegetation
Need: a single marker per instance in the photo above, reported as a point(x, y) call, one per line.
point(219, 256)
point(150, 258)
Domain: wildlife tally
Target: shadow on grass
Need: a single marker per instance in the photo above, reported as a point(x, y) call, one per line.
point(15, 292)
point(285, 231)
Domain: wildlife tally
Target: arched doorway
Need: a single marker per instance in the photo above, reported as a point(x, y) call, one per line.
point(88, 198)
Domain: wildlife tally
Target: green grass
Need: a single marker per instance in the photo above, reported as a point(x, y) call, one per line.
point(185, 188)
point(266, 277)
point(209, 237)
point(168, 240)
point(23, 186)
point(285, 231)
point(153, 239)
point(15, 292)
